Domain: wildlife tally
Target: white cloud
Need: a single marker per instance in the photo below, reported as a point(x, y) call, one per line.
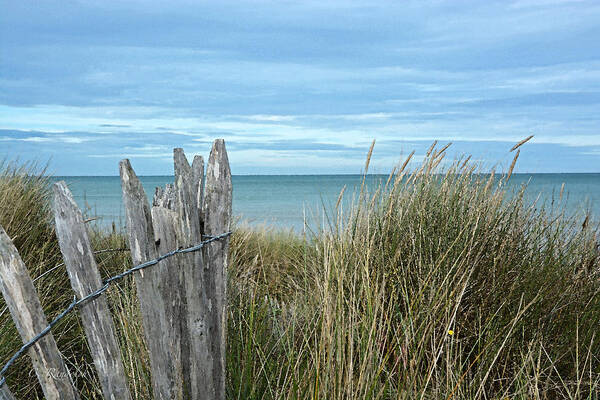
point(544, 3)
point(48, 139)
point(274, 118)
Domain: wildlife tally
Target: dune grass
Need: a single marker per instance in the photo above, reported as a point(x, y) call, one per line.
point(438, 284)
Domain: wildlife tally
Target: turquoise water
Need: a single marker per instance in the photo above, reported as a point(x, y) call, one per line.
point(289, 200)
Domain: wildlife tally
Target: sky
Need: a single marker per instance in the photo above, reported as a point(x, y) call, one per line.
point(299, 87)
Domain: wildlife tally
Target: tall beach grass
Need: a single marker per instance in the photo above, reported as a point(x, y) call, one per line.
point(438, 284)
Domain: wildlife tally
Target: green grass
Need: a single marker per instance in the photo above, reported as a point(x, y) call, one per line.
point(440, 284)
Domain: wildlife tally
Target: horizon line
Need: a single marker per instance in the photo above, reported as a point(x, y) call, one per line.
point(356, 174)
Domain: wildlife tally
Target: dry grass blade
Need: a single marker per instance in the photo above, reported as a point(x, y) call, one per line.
point(341, 195)
point(465, 163)
point(431, 148)
point(369, 154)
point(400, 173)
point(522, 142)
point(390, 177)
point(440, 151)
point(405, 163)
point(512, 165)
point(437, 160)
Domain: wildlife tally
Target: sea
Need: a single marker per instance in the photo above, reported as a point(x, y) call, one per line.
point(301, 202)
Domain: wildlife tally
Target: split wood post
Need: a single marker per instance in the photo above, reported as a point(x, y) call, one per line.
point(165, 236)
point(217, 219)
point(167, 233)
point(197, 330)
point(198, 171)
point(26, 310)
point(152, 288)
point(165, 197)
point(85, 279)
point(5, 393)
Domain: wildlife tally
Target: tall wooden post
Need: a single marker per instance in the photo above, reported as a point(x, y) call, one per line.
point(217, 219)
point(196, 329)
point(85, 279)
point(26, 310)
point(152, 286)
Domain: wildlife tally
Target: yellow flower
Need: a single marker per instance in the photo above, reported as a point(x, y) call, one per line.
point(450, 332)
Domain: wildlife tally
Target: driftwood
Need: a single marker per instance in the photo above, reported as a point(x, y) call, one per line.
point(165, 237)
point(217, 211)
point(151, 287)
point(26, 310)
point(197, 329)
point(198, 171)
point(85, 279)
point(182, 297)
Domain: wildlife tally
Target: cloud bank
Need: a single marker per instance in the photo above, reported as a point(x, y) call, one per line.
point(299, 88)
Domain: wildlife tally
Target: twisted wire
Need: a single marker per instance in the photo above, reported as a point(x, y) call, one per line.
point(105, 285)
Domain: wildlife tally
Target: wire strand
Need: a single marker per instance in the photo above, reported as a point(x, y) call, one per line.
point(105, 285)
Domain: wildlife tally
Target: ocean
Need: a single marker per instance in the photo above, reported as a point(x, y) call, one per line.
point(288, 201)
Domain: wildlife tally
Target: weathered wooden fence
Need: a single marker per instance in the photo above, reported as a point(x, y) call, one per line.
point(182, 294)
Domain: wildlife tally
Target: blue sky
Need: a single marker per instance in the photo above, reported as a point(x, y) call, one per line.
point(299, 87)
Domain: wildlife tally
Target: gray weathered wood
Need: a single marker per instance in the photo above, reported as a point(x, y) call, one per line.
point(5, 393)
point(165, 235)
point(149, 283)
point(165, 197)
point(196, 305)
point(186, 188)
point(198, 171)
point(26, 310)
point(158, 196)
point(166, 226)
point(85, 279)
point(217, 212)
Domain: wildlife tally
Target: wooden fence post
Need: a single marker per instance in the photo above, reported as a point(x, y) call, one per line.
point(182, 299)
point(26, 310)
point(85, 279)
point(198, 172)
point(165, 197)
point(217, 219)
point(197, 329)
point(194, 315)
point(165, 236)
point(152, 286)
